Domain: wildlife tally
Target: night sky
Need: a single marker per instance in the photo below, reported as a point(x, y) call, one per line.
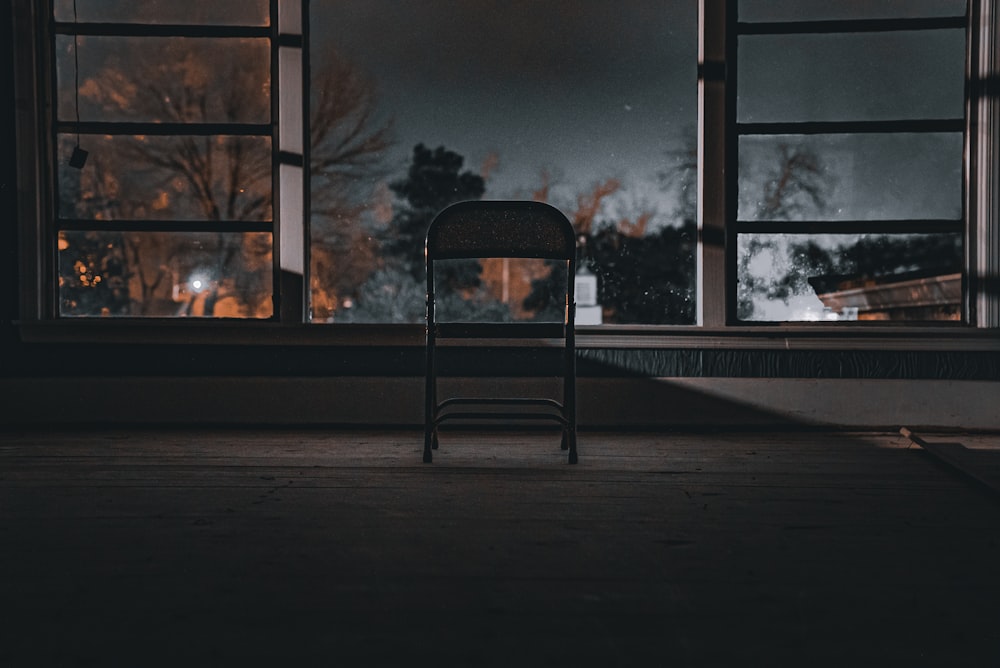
point(587, 90)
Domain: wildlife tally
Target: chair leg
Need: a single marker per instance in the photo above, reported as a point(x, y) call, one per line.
point(572, 445)
point(428, 440)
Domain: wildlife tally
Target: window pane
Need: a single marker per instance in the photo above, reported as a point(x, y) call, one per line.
point(503, 290)
point(851, 77)
point(820, 10)
point(589, 106)
point(914, 277)
point(165, 79)
point(851, 177)
point(218, 12)
point(166, 178)
point(165, 274)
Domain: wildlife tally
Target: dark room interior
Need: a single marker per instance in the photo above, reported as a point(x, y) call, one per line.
point(781, 318)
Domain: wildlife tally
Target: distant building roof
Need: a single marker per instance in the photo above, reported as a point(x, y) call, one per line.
point(920, 295)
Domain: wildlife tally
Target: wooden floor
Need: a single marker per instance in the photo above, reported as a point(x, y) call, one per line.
point(301, 548)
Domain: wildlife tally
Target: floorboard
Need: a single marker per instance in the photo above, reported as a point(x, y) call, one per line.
point(291, 547)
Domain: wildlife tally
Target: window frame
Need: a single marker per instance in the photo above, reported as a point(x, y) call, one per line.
point(738, 129)
point(286, 34)
point(717, 135)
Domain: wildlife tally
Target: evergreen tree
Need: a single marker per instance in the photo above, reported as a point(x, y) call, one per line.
point(873, 257)
point(646, 279)
point(395, 293)
point(641, 279)
point(433, 181)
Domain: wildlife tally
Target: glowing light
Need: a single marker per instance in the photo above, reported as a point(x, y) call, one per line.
point(199, 282)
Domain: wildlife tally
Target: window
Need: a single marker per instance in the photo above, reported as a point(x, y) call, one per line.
point(163, 146)
point(589, 106)
point(850, 124)
point(223, 160)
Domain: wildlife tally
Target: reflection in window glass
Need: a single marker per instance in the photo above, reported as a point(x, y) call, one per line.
point(873, 176)
point(822, 10)
point(851, 77)
point(165, 79)
point(166, 178)
point(216, 12)
point(588, 106)
point(915, 277)
point(159, 274)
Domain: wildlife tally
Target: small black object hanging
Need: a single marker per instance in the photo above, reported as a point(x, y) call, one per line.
point(78, 158)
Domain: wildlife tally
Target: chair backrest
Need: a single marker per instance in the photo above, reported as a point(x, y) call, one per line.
point(492, 228)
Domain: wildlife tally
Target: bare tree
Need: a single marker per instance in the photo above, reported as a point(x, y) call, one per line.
point(222, 178)
point(682, 178)
point(794, 187)
point(588, 204)
point(348, 143)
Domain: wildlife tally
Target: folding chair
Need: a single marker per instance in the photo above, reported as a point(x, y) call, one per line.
point(498, 229)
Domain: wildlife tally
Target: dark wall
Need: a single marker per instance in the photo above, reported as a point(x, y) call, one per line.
point(8, 188)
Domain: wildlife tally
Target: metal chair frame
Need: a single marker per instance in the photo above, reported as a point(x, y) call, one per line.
point(498, 229)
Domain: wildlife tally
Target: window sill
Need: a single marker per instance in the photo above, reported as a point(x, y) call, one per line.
point(765, 337)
